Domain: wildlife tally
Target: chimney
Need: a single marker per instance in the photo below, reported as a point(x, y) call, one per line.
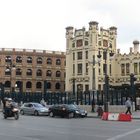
point(131, 50)
point(136, 46)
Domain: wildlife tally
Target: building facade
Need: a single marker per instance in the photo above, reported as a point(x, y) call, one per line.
point(32, 70)
point(86, 71)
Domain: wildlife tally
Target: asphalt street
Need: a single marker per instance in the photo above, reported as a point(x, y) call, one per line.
point(46, 128)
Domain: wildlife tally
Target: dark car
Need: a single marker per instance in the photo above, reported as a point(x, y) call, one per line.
point(65, 110)
point(34, 109)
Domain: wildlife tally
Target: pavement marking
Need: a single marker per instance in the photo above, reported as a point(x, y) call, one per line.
point(124, 135)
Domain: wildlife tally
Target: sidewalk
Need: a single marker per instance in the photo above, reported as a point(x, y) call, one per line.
point(135, 115)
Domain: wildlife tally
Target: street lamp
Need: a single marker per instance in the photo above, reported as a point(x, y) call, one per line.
point(106, 78)
point(132, 86)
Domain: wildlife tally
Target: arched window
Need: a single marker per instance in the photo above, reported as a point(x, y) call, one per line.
point(29, 72)
point(57, 86)
point(18, 71)
point(7, 84)
point(7, 71)
point(49, 73)
point(39, 73)
point(58, 74)
point(18, 59)
point(29, 59)
point(58, 62)
point(39, 85)
point(8, 59)
point(49, 61)
point(19, 85)
point(49, 85)
point(28, 84)
point(39, 60)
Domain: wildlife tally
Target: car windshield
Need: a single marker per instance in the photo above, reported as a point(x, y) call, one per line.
point(38, 105)
point(72, 106)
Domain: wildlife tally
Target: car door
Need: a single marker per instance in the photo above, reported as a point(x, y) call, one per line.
point(26, 108)
point(56, 110)
point(31, 109)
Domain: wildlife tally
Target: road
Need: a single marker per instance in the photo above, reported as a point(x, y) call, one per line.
point(46, 128)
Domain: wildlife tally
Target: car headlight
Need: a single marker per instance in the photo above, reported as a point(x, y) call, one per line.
point(77, 112)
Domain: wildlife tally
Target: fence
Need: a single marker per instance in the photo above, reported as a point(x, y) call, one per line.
point(116, 97)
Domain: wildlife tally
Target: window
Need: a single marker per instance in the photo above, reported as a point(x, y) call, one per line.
point(58, 74)
point(122, 69)
point(19, 59)
point(86, 43)
point(28, 84)
point(7, 71)
point(127, 68)
point(58, 62)
point(39, 73)
point(39, 85)
point(7, 84)
point(79, 69)
point(29, 72)
point(87, 68)
point(48, 85)
point(73, 56)
point(105, 43)
point(104, 68)
point(39, 60)
point(73, 68)
point(49, 73)
point(57, 86)
point(18, 71)
point(73, 45)
point(135, 68)
point(99, 43)
point(79, 55)
point(8, 59)
point(86, 54)
point(105, 55)
point(49, 61)
point(110, 69)
point(79, 43)
point(29, 59)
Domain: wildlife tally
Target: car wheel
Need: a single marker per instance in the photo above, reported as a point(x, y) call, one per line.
point(71, 115)
point(36, 113)
point(21, 112)
point(51, 114)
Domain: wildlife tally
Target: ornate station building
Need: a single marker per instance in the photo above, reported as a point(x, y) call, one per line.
point(92, 54)
point(28, 70)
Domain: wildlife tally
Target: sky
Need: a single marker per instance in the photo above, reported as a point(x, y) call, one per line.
point(40, 24)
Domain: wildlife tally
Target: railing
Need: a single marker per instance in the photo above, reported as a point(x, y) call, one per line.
point(116, 97)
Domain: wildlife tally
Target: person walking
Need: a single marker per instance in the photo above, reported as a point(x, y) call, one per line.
point(128, 105)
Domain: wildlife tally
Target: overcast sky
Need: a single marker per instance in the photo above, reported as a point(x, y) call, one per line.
point(40, 24)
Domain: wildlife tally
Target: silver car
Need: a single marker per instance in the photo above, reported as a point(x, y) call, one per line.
point(34, 109)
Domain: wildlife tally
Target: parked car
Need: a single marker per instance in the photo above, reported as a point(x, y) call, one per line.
point(66, 110)
point(34, 109)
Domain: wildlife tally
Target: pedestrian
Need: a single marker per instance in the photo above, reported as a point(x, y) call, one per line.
point(128, 105)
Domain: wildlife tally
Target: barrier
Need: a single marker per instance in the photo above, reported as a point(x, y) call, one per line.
point(105, 116)
point(113, 116)
point(125, 117)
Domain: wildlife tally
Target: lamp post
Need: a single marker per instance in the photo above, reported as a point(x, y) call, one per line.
point(106, 78)
point(45, 89)
point(132, 86)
